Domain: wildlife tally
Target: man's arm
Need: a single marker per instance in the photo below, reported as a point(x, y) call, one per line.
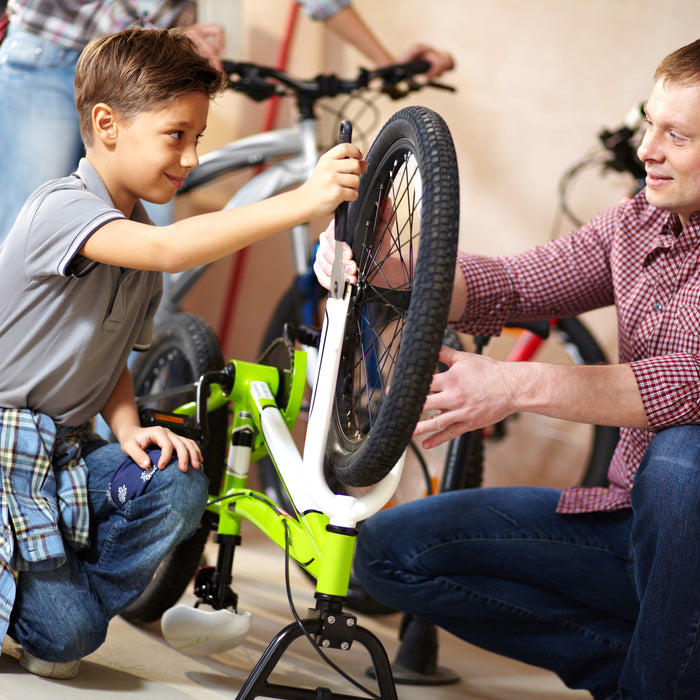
point(478, 391)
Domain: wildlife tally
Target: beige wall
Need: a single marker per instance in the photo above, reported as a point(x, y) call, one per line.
point(536, 81)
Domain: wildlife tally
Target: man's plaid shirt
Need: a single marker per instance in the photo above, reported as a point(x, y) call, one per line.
point(638, 258)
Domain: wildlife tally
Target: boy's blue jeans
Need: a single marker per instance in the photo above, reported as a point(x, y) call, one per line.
point(62, 615)
point(608, 601)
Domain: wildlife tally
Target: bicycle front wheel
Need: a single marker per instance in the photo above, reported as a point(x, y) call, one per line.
point(403, 230)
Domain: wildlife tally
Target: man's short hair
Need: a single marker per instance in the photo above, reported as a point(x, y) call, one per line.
point(139, 70)
point(682, 67)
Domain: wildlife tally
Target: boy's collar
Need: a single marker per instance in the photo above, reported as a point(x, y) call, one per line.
point(88, 174)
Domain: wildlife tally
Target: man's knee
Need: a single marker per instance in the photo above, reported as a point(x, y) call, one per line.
point(668, 475)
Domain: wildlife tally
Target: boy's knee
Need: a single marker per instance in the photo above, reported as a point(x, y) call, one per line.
point(70, 637)
point(184, 493)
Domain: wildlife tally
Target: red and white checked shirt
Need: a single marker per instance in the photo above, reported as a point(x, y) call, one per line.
point(640, 259)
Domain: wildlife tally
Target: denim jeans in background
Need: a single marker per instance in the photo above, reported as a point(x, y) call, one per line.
point(62, 615)
point(608, 601)
point(39, 123)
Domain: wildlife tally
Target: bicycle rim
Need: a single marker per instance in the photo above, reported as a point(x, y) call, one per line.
point(404, 230)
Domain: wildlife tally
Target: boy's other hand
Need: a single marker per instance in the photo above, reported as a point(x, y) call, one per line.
point(135, 442)
point(325, 255)
point(335, 180)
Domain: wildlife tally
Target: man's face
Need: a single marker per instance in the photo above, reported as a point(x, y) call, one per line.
point(670, 148)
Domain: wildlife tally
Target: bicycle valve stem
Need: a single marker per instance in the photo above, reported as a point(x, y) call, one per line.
point(341, 217)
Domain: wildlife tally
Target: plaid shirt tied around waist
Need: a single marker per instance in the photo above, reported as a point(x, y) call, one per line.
point(43, 501)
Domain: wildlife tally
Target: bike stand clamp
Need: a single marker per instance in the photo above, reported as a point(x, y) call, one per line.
point(258, 685)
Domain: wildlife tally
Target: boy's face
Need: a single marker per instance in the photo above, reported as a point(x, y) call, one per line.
point(155, 151)
point(670, 148)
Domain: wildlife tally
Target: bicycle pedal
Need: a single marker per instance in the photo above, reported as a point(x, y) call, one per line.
point(202, 632)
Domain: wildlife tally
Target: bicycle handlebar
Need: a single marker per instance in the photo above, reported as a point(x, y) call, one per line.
point(260, 82)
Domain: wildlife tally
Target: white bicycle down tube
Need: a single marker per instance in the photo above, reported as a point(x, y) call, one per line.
point(344, 511)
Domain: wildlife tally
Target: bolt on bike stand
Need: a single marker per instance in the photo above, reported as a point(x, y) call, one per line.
point(331, 628)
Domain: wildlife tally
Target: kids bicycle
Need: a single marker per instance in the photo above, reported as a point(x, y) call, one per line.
point(384, 331)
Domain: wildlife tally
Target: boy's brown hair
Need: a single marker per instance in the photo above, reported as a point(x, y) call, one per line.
point(682, 67)
point(139, 70)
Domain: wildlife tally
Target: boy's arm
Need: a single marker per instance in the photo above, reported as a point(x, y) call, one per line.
point(121, 414)
point(203, 239)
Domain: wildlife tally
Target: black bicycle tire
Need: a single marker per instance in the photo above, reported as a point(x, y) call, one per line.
point(195, 341)
point(360, 456)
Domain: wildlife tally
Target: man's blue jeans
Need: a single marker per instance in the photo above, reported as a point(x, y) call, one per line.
point(62, 615)
point(608, 601)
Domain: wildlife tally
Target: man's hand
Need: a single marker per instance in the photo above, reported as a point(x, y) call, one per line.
point(323, 264)
point(474, 392)
point(135, 441)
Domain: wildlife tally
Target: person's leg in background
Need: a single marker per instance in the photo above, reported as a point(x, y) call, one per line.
point(38, 120)
point(502, 570)
point(41, 132)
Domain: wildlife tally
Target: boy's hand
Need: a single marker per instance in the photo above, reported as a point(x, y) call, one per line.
point(135, 442)
point(336, 179)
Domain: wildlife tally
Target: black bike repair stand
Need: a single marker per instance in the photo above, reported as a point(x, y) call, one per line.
point(329, 628)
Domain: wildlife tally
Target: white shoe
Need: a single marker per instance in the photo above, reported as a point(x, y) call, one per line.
point(48, 669)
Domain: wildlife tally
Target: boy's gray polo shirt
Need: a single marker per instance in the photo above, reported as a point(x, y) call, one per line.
point(68, 323)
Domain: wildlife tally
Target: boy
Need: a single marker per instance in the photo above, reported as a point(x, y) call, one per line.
point(81, 275)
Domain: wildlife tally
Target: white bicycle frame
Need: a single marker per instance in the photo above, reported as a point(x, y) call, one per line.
point(198, 631)
point(304, 477)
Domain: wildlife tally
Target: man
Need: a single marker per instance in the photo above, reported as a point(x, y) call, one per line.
point(598, 585)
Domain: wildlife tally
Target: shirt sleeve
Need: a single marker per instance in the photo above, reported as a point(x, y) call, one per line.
point(322, 9)
point(565, 277)
point(61, 222)
point(670, 389)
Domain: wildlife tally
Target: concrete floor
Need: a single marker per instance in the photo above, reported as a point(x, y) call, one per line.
point(138, 662)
